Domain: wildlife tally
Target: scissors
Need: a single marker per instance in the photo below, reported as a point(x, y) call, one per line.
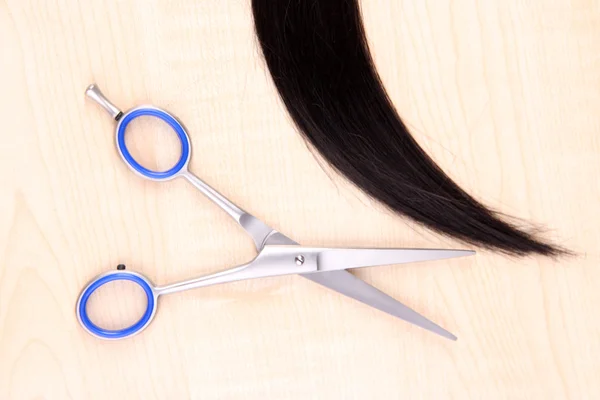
point(277, 254)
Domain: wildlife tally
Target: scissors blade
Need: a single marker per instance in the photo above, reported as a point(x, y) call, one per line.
point(349, 285)
point(337, 259)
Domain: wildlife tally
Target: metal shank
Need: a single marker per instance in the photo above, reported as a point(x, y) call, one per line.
point(255, 228)
point(272, 261)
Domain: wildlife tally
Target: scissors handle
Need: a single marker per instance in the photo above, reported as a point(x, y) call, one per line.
point(272, 261)
point(118, 275)
point(123, 121)
point(150, 111)
point(258, 230)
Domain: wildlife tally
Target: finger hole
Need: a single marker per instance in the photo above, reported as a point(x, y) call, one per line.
point(104, 321)
point(117, 305)
point(153, 143)
point(134, 162)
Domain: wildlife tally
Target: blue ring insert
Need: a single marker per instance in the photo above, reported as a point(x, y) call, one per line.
point(173, 123)
point(119, 333)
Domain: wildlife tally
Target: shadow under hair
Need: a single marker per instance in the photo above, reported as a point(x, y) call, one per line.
point(318, 57)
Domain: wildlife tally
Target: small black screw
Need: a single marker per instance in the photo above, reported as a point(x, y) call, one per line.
point(121, 267)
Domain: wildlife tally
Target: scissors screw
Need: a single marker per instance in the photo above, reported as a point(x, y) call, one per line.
point(299, 260)
point(121, 267)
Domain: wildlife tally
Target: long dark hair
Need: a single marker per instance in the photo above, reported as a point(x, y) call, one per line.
point(317, 54)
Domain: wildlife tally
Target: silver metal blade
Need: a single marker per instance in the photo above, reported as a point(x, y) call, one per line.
point(337, 259)
point(349, 285)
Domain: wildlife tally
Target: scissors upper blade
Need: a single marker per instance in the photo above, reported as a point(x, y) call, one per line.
point(337, 259)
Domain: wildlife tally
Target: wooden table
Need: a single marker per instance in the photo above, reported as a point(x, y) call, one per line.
point(504, 95)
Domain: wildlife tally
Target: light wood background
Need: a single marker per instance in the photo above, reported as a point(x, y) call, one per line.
point(504, 95)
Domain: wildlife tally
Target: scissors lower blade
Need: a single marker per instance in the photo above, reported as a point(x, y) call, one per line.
point(349, 285)
point(338, 259)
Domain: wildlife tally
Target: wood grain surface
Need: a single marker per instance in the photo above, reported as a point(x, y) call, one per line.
point(504, 95)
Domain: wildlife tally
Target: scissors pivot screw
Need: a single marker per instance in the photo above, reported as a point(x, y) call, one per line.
point(299, 260)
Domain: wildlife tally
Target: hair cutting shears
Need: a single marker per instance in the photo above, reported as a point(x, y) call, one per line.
point(277, 254)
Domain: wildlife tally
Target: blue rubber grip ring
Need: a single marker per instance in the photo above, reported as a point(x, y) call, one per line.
point(120, 333)
point(177, 127)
